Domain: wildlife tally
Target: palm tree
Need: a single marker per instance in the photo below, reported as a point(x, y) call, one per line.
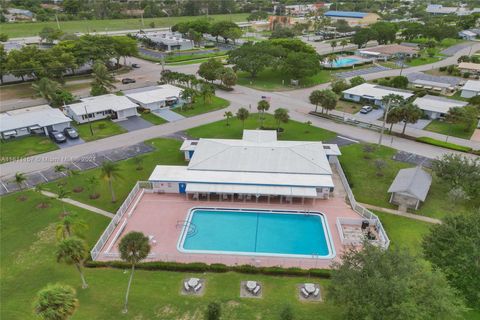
point(102, 79)
point(45, 200)
point(242, 114)
point(109, 172)
point(70, 225)
point(62, 194)
point(281, 116)
point(134, 247)
point(207, 91)
point(92, 183)
point(55, 302)
point(333, 44)
point(73, 250)
point(316, 98)
point(46, 88)
point(343, 43)
point(331, 58)
point(228, 115)
point(188, 96)
point(20, 179)
point(263, 106)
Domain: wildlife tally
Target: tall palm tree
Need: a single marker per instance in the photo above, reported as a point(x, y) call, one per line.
point(46, 88)
point(188, 96)
point(331, 58)
point(134, 247)
point(55, 302)
point(242, 115)
point(20, 179)
point(73, 250)
point(62, 194)
point(102, 79)
point(92, 183)
point(281, 116)
point(70, 225)
point(316, 98)
point(45, 200)
point(110, 172)
point(207, 91)
point(263, 106)
point(333, 44)
point(228, 115)
point(343, 43)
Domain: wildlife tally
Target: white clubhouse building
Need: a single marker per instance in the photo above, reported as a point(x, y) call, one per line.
point(258, 165)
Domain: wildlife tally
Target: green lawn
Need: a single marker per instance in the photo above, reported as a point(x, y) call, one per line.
point(293, 130)
point(275, 80)
point(370, 188)
point(199, 107)
point(101, 129)
point(449, 129)
point(150, 117)
point(33, 28)
point(182, 58)
point(195, 61)
point(25, 147)
point(28, 264)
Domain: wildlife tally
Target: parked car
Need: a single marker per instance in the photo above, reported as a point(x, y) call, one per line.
point(71, 133)
point(128, 80)
point(135, 65)
point(366, 109)
point(57, 136)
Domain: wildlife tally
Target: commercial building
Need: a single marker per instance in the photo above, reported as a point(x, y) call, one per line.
point(163, 96)
point(33, 120)
point(438, 9)
point(373, 94)
point(168, 41)
point(471, 89)
point(389, 51)
point(256, 166)
point(353, 18)
point(102, 107)
point(437, 107)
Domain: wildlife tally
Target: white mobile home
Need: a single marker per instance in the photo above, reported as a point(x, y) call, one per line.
point(101, 107)
point(437, 107)
point(471, 89)
point(33, 120)
point(163, 96)
point(373, 94)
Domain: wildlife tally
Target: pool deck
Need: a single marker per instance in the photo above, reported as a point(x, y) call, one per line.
point(160, 216)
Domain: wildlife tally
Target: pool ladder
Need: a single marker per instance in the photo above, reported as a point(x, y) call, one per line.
point(191, 228)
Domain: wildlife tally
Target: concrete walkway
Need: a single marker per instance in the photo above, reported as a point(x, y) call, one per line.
point(79, 204)
point(403, 214)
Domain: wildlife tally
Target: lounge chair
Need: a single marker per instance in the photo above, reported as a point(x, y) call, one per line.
point(316, 292)
point(304, 292)
point(256, 290)
point(197, 287)
point(186, 286)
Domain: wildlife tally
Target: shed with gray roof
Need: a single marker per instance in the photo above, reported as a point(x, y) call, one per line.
point(410, 187)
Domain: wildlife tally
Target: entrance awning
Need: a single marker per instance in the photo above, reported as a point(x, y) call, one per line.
point(251, 189)
point(35, 127)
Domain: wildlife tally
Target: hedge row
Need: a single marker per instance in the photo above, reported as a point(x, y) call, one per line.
point(215, 267)
point(444, 144)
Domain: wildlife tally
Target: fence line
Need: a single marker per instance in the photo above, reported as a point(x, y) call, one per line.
point(364, 212)
point(115, 220)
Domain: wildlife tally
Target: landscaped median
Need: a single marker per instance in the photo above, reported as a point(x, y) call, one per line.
point(445, 144)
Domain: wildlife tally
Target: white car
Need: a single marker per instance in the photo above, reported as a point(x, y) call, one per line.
point(366, 109)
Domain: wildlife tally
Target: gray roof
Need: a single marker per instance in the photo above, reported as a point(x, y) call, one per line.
point(413, 181)
point(452, 81)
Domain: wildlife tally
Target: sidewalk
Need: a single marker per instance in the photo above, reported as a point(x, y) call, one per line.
point(403, 214)
point(79, 204)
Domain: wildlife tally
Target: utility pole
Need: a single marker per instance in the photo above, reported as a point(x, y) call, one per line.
point(88, 118)
point(58, 23)
point(387, 109)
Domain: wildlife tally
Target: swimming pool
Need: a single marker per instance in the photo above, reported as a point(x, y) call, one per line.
point(256, 232)
point(342, 62)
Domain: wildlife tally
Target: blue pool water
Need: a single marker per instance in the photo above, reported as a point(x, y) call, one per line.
point(342, 62)
point(256, 233)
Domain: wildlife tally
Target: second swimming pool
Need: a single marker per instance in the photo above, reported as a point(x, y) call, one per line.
point(256, 232)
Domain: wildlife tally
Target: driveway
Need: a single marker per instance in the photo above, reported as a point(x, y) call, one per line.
point(375, 114)
point(422, 123)
point(70, 143)
point(168, 115)
point(134, 123)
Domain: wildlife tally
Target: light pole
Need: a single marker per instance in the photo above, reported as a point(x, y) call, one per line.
point(387, 109)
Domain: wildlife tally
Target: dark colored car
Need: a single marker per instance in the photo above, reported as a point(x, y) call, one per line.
point(71, 133)
point(128, 80)
point(134, 65)
point(57, 136)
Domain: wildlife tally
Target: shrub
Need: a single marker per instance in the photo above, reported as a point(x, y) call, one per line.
point(213, 311)
point(444, 144)
point(442, 69)
point(466, 75)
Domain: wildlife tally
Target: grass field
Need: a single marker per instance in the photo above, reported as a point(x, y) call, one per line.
point(293, 130)
point(449, 129)
point(101, 129)
point(33, 28)
point(156, 120)
point(199, 107)
point(271, 80)
point(370, 188)
point(25, 147)
point(28, 264)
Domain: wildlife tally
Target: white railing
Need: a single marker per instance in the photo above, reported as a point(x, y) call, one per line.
point(116, 219)
point(384, 241)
